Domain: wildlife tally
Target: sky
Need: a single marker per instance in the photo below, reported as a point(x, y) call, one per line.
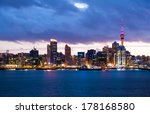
point(83, 24)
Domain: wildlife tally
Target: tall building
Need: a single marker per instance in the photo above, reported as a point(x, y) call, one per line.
point(81, 57)
point(34, 57)
point(34, 54)
point(101, 58)
point(90, 54)
point(52, 51)
point(59, 59)
point(48, 53)
point(121, 57)
point(109, 52)
point(115, 46)
point(6, 57)
point(67, 54)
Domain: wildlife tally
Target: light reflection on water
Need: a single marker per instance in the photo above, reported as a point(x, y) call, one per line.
point(75, 83)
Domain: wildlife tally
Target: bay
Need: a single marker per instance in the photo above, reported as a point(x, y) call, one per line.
point(74, 83)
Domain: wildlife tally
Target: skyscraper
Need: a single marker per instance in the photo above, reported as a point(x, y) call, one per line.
point(67, 54)
point(109, 52)
point(80, 58)
point(52, 51)
point(48, 53)
point(34, 54)
point(101, 58)
point(34, 57)
point(121, 57)
point(60, 57)
point(90, 54)
point(115, 46)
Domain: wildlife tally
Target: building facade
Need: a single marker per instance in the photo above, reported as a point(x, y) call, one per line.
point(52, 51)
point(68, 58)
point(121, 57)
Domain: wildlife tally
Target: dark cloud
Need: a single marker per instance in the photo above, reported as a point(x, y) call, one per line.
point(17, 3)
point(59, 5)
point(33, 20)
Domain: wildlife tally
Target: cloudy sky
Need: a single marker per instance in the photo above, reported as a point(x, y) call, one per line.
point(83, 24)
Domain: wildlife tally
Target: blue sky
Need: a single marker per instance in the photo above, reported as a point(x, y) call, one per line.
point(74, 21)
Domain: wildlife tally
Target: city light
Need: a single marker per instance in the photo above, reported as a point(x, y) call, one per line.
point(114, 57)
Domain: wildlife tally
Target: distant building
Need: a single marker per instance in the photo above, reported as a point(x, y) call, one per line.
point(34, 57)
point(90, 54)
point(121, 57)
point(6, 57)
point(34, 54)
point(101, 58)
point(23, 57)
point(43, 59)
point(48, 53)
point(60, 58)
point(80, 59)
point(1, 59)
point(68, 58)
point(81, 54)
point(128, 58)
point(115, 46)
point(110, 54)
point(52, 51)
point(74, 60)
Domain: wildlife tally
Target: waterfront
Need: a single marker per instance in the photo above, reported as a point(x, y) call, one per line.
point(74, 83)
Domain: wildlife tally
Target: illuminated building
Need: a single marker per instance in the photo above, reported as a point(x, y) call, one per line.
point(60, 58)
point(110, 54)
point(1, 59)
point(52, 51)
point(81, 57)
point(6, 57)
point(48, 53)
point(23, 57)
point(101, 58)
point(43, 60)
point(81, 54)
point(68, 58)
point(90, 54)
point(34, 57)
point(121, 57)
point(74, 60)
point(115, 46)
point(34, 54)
point(128, 58)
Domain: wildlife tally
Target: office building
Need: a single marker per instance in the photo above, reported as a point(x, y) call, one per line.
point(52, 51)
point(68, 58)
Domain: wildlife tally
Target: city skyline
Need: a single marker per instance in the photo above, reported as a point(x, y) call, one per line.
point(82, 24)
point(136, 48)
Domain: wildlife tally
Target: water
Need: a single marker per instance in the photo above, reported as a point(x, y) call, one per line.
point(72, 83)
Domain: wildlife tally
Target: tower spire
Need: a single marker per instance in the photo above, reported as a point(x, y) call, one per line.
point(122, 33)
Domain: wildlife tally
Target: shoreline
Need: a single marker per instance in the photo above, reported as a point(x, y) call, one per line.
point(72, 69)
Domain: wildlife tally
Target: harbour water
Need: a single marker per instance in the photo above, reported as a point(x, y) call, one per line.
point(74, 83)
